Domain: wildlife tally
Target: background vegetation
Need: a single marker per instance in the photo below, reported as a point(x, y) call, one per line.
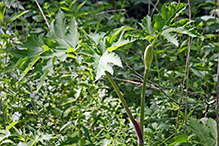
point(51, 92)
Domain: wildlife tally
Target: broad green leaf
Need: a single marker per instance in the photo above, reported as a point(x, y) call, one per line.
point(63, 36)
point(31, 47)
point(167, 15)
point(98, 49)
point(147, 25)
point(47, 50)
point(102, 62)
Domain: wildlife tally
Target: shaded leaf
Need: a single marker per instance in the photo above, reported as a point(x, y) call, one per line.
point(201, 131)
point(197, 73)
point(168, 14)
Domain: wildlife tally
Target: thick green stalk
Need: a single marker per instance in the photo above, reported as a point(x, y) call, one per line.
point(143, 98)
point(120, 96)
point(134, 121)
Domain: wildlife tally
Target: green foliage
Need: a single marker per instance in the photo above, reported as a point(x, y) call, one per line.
point(98, 49)
point(205, 131)
point(62, 68)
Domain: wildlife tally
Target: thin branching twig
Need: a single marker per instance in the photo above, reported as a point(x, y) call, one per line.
point(186, 74)
point(149, 7)
point(155, 7)
point(42, 13)
point(217, 89)
point(187, 81)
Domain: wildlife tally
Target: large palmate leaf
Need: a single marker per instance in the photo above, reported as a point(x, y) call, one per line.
point(63, 36)
point(38, 54)
point(98, 56)
point(167, 15)
point(101, 60)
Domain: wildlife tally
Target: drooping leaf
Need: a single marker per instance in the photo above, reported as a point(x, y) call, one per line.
point(181, 27)
point(170, 37)
point(26, 55)
point(38, 54)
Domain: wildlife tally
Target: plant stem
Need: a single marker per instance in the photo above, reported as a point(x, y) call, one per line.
point(120, 96)
point(134, 121)
point(217, 90)
point(143, 99)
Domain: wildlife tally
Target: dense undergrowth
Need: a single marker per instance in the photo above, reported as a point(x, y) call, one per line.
point(53, 88)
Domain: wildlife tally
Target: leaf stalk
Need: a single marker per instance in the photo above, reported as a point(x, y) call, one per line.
point(134, 121)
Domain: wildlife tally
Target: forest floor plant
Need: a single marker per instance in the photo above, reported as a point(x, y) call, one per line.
point(39, 55)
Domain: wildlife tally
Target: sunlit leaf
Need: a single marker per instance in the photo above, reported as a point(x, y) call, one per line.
point(63, 36)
